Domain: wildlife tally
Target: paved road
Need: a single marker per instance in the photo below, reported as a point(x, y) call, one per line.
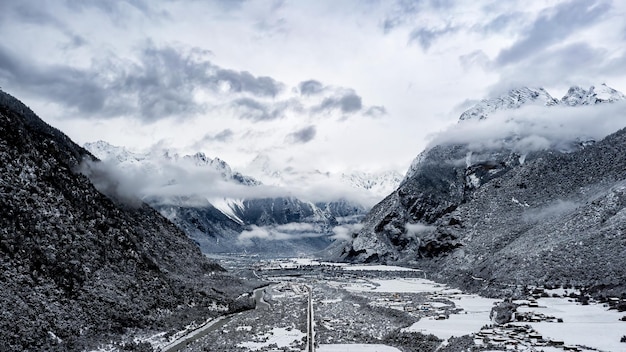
point(310, 324)
point(183, 341)
point(213, 325)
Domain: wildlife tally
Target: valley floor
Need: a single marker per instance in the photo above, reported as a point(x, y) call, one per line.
point(390, 309)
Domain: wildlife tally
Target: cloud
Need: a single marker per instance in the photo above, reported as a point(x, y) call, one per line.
point(40, 15)
point(112, 182)
point(475, 58)
point(160, 85)
point(223, 136)
point(535, 128)
point(170, 181)
point(501, 22)
point(417, 228)
point(554, 210)
point(245, 82)
point(347, 102)
point(310, 87)
point(291, 231)
point(570, 64)
point(376, 111)
point(426, 36)
point(344, 232)
point(63, 84)
point(554, 25)
point(116, 10)
point(405, 11)
point(303, 135)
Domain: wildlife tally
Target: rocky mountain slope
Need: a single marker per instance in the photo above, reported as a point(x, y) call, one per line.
point(493, 216)
point(216, 220)
point(80, 268)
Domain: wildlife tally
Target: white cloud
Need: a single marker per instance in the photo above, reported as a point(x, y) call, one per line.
point(344, 232)
point(534, 128)
point(473, 47)
point(416, 228)
point(292, 231)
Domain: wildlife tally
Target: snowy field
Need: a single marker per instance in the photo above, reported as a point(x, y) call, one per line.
point(590, 325)
point(475, 315)
point(356, 348)
point(281, 337)
point(400, 285)
point(377, 268)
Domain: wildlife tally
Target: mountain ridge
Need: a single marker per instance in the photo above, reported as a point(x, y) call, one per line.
point(219, 223)
point(429, 222)
point(80, 268)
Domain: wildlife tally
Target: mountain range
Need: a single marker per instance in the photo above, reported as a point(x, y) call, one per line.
point(500, 213)
point(226, 211)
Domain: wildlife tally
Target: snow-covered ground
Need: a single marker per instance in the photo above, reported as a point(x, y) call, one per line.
point(282, 337)
point(356, 348)
point(587, 325)
point(475, 315)
point(400, 285)
point(377, 268)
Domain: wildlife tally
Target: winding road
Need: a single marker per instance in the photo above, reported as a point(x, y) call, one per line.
point(213, 325)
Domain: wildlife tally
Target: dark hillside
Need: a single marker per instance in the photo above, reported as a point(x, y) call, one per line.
point(78, 268)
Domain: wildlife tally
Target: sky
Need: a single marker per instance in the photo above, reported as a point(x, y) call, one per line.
point(334, 86)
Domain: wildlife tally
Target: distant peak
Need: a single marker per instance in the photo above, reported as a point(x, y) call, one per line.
point(513, 99)
point(598, 94)
point(100, 143)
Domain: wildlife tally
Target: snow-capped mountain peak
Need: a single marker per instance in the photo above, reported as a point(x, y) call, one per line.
point(106, 151)
point(154, 161)
point(514, 99)
point(595, 95)
point(380, 184)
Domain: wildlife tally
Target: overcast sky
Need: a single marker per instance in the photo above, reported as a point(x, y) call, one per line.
point(333, 85)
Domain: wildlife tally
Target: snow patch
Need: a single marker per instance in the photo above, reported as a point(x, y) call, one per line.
point(282, 337)
point(356, 348)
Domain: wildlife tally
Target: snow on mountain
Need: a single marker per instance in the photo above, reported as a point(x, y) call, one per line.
point(217, 206)
point(508, 200)
point(105, 151)
point(595, 95)
point(154, 161)
point(519, 97)
point(379, 184)
point(361, 186)
point(527, 120)
point(514, 99)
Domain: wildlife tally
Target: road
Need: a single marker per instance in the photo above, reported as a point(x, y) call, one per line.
point(310, 324)
point(213, 325)
point(259, 295)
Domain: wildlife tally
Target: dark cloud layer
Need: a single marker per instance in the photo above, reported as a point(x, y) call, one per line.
point(161, 84)
point(245, 82)
point(303, 135)
point(553, 26)
point(310, 87)
point(348, 102)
